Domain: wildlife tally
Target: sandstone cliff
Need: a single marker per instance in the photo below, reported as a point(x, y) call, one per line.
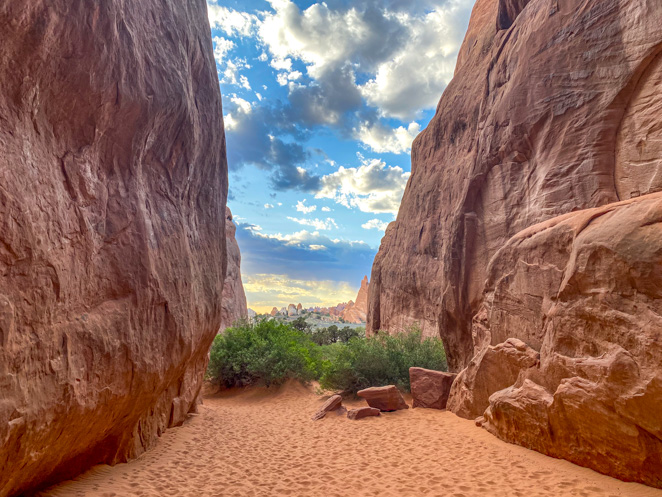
point(234, 299)
point(112, 197)
point(356, 312)
point(555, 108)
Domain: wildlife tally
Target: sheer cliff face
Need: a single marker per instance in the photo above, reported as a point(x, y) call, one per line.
point(112, 198)
point(555, 113)
point(530, 236)
point(234, 299)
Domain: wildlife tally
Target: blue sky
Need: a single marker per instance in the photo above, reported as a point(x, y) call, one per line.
point(321, 104)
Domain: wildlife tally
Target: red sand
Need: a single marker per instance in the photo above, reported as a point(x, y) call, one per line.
point(261, 442)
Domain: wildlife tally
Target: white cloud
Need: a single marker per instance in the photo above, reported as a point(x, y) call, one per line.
point(414, 78)
point(409, 55)
point(268, 206)
point(318, 224)
point(317, 247)
point(232, 22)
point(326, 209)
point(306, 209)
point(222, 47)
point(242, 104)
point(230, 75)
point(382, 139)
point(284, 64)
point(375, 224)
point(372, 187)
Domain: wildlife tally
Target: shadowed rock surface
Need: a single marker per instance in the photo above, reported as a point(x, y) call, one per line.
point(555, 110)
point(362, 412)
point(233, 302)
point(113, 183)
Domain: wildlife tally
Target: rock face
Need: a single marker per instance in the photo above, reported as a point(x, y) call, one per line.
point(530, 225)
point(362, 412)
point(233, 303)
point(113, 183)
point(430, 388)
point(356, 312)
point(274, 311)
point(588, 293)
point(386, 398)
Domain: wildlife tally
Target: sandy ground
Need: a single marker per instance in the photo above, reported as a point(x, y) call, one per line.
point(263, 443)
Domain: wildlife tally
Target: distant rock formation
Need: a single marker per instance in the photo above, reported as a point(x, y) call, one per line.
point(529, 235)
point(292, 310)
point(299, 308)
point(233, 303)
point(356, 312)
point(113, 182)
point(274, 311)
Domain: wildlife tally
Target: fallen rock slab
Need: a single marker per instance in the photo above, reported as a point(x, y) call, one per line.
point(362, 412)
point(331, 404)
point(386, 398)
point(430, 388)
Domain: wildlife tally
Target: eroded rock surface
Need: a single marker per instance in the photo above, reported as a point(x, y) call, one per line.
point(429, 388)
point(332, 403)
point(234, 305)
point(530, 225)
point(594, 396)
point(532, 126)
point(386, 398)
point(112, 198)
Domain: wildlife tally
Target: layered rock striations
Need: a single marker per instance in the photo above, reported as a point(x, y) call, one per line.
point(529, 234)
point(233, 302)
point(113, 182)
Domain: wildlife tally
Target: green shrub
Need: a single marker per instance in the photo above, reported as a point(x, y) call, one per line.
point(267, 353)
point(380, 360)
point(333, 334)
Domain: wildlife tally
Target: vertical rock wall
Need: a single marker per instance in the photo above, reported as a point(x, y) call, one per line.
point(529, 236)
point(113, 182)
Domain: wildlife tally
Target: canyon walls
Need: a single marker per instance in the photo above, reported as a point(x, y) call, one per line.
point(554, 116)
point(233, 304)
point(113, 181)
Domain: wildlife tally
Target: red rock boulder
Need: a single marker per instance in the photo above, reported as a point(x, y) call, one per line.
point(386, 398)
point(113, 182)
point(362, 412)
point(430, 388)
point(334, 402)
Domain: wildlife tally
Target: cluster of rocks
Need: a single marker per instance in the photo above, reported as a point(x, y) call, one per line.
point(530, 233)
point(379, 399)
point(350, 312)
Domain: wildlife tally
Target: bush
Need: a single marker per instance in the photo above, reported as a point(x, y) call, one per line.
point(267, 352)
point(380, 360)
point(333, 334)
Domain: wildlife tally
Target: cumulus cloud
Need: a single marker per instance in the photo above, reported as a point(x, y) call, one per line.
point(383, 139)
point(268, 206)
point(306, 209)
point(222, 47)
point(231, 22)
point(326, 209)
point(372, 187)
point(318, 224)
point(375, 224)
point(408, 51)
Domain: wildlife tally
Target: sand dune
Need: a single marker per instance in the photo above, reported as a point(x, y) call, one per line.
point(263, 443)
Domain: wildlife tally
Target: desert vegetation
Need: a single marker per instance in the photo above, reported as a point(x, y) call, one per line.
point(341, 359)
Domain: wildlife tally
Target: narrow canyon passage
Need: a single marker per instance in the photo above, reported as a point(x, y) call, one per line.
point(263, 443)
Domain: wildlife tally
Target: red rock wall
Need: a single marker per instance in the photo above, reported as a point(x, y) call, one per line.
point(530, 237)
point(113, 184)
point(540, 120)
point(234, 305)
